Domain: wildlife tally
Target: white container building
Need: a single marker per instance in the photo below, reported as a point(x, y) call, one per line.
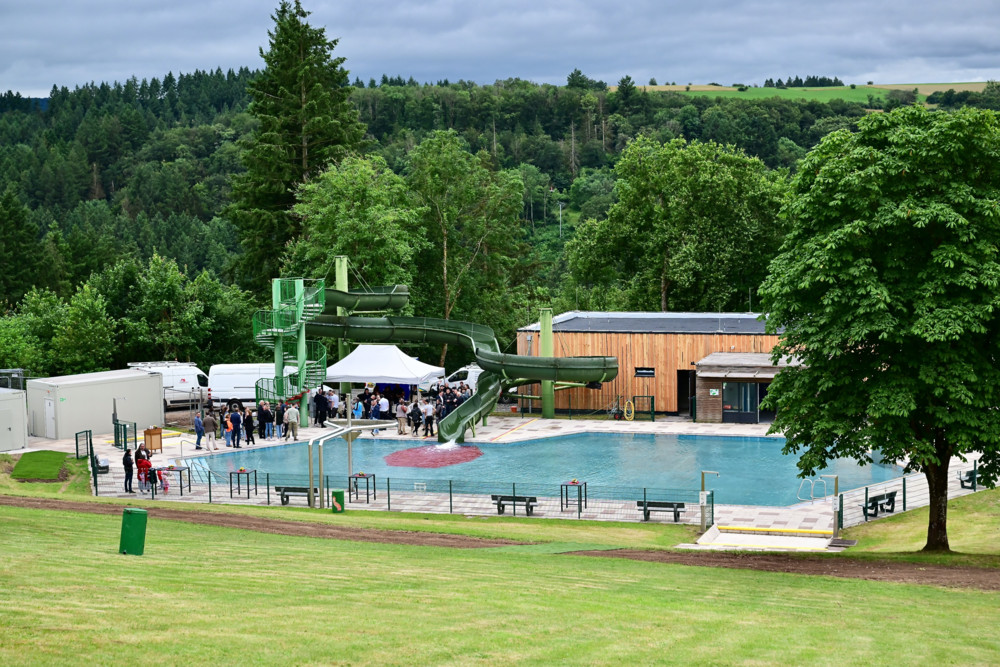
point(59, 407)
point(13, 420)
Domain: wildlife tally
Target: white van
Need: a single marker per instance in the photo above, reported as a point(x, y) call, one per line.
point(467, 374)
point(184, 384)
point(236, 384)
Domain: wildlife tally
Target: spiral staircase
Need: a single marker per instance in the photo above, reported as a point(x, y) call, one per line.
point(296, 302)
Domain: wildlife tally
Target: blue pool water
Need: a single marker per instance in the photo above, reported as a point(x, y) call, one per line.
point(753, 471)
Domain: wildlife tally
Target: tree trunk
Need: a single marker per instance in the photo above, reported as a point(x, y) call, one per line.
point(937, 523)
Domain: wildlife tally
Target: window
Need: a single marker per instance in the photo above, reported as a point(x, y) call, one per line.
point(645, 372)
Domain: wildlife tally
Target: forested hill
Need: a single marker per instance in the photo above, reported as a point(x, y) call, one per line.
point(104, 186)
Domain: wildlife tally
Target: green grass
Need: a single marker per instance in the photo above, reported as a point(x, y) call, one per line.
point(77, 482)
point(973, 532)
point(39, 465)
point(859, 94)
point(205, 595)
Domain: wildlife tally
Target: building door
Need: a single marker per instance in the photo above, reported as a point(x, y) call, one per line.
point(50, 418)
point(685, 391)
point(7, 431)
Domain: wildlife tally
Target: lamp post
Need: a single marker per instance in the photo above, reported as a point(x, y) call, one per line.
point(702, 497)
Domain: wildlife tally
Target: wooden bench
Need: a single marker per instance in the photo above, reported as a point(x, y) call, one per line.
point(884, 502)
point(968, 479)
point(287, 492)
point(647, 506)
point(528, 502)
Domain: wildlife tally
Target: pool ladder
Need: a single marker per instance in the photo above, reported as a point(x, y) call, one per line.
point(812, 490)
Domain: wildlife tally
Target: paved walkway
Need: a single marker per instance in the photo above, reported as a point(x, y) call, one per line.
point(806, 516)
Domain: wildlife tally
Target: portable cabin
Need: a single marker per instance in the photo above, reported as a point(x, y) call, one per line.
point(59, 407)
point(13, 419)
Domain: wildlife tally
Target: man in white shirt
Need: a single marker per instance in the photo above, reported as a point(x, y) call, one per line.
point(334, 404)
point(383, 407)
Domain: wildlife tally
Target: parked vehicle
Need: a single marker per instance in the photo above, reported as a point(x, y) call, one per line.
point(467, 374)
point(235, 384)
point(184, 384)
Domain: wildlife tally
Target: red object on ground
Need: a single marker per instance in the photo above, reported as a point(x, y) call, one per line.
point(433, 456)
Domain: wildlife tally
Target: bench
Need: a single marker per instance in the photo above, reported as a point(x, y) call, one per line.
point(884, 502)
point(97, 467)
point(287, 492)
point(528, 502)
point(968, 479)
point(647, 506)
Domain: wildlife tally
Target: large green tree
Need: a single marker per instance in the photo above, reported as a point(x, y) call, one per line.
point(694, 227)
point(888, 291)
point(20, 250)
point(306, 121)
point(360, 209)
point(471, 218)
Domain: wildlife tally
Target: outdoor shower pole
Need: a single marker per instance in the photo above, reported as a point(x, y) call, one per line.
point(701, 498)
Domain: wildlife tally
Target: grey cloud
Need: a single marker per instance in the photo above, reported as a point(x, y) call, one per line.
point(70, 43)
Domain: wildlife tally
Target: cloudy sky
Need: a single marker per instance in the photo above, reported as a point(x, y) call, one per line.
point(72, 42)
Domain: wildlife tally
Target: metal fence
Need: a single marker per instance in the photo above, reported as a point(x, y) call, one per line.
point(435, 496)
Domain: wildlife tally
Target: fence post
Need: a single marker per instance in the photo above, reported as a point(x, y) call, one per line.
point(267, 484)
point(513, 492)
point(840, 514)
point(209, 486)
point(388, 495)
point(975, 476)
point(904, 494)
point(451, 500)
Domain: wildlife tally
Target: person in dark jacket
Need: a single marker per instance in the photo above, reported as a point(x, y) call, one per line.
point(237, 421)
point(322, 405)
point(127, 463)
point(248, 426)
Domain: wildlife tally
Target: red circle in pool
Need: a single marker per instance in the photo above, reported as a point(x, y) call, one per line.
point(433, 456)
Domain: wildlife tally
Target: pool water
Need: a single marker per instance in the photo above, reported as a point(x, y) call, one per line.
point(753, 471)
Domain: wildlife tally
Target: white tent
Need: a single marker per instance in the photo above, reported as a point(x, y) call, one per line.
point(381, 363)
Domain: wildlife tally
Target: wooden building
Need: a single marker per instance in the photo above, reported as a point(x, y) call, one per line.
point(656, 352)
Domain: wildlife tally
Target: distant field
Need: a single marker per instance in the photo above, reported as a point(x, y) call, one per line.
point(858, 94)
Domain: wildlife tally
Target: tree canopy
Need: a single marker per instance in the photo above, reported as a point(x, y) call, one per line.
point(306, 121)
point(888, 291)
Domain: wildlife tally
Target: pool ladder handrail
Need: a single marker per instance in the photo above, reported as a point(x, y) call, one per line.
point(812, 490)
point(202, 468)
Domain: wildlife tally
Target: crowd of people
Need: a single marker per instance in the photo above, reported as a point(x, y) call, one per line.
point(237, 427)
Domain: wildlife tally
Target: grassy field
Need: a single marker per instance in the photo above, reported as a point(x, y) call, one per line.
point(204, 595)
point(76, 483)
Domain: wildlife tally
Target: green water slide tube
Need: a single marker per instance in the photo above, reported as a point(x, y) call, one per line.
point(501, 371)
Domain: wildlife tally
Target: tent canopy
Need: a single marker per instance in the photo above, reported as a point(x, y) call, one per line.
point(381, 363)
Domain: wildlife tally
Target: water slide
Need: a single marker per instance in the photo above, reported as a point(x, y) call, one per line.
point(500, 371)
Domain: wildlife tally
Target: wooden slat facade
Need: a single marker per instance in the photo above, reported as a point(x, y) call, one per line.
point(665, 353)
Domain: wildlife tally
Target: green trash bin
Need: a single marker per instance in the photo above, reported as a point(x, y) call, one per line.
point(337, 501)
point(133, 532)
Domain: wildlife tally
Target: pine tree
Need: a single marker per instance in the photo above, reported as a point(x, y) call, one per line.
point(19, 249)
point(306, 122)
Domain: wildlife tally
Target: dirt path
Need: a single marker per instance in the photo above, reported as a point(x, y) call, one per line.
point(841, 566)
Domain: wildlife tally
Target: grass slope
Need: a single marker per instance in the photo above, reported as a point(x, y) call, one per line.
point(39, 465)
point(204, 595)
point(77, 482)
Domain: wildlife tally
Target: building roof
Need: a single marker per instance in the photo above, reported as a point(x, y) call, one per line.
point(666, 323)
point(86, 378)
point(741, 365)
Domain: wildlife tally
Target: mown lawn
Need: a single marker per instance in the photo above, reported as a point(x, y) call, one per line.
point(39, 465)
point(206, 595)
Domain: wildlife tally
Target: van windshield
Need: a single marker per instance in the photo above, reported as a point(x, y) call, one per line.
point(202, 380)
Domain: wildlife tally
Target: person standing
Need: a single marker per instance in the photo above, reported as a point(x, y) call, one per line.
point(401, 417)
point(210, 427)
point(236, 419)
point(248, 426)
point(141, 454)
point(261, 426)
point(199, 430)
point(292, 422)
point(334, 400)
point(279, 419)
point(267, 421)
point(322, 405)
point(227, 428)
point(127, 464)
point(428, 411)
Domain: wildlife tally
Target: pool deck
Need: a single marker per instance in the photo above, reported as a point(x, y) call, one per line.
point(817, 516)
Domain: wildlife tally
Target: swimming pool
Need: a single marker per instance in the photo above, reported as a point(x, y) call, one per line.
point(753, 471)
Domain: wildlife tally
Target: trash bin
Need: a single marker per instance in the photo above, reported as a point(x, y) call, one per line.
point(337, 501)
point(133, 531)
